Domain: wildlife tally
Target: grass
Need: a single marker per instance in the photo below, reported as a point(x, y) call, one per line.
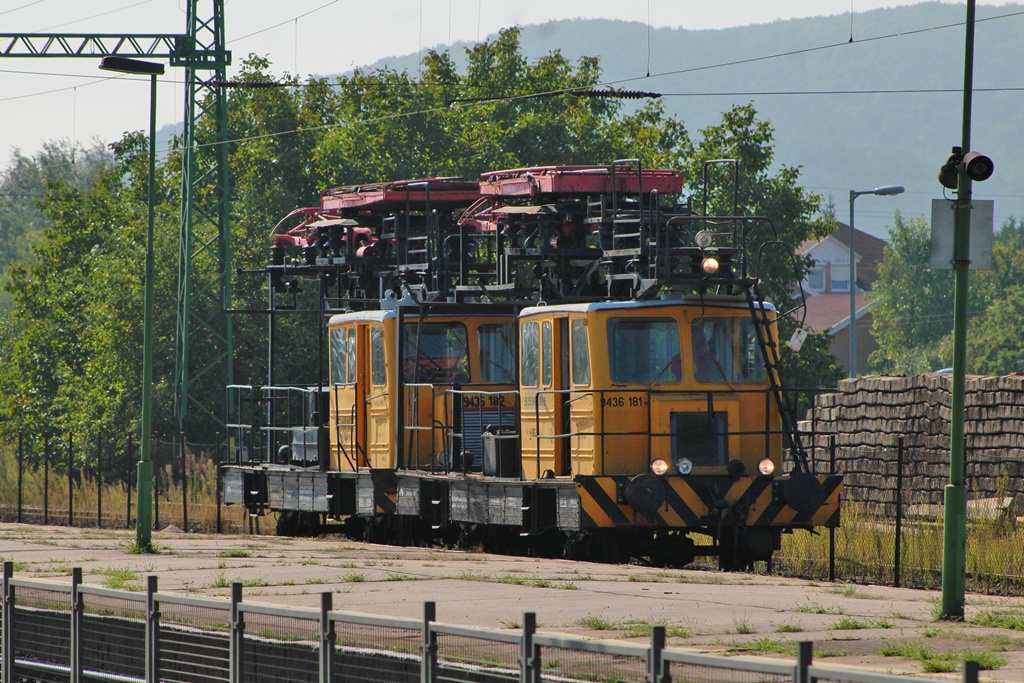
point(201, 471)
point(121, 578)
point(743, 627)
point(865, 546)
point(943, 662)
point(595, 623)
point(765, 645)
point(354, 577)
point(234, 552)
point(851, 592)
point(789, 628)
point(641, 628)
point(814, 608)
point(851, 624)
point(1012, 619)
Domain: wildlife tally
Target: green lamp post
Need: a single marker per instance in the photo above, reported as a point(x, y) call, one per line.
point(144, 514)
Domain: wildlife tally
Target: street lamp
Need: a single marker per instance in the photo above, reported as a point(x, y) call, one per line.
point(885, 189)
point(144, 512)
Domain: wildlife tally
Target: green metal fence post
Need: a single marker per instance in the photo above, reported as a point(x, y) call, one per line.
point(71, 478)
point(655, 663)
point(76, 627)
point(21, 470)
point(898, 552)
point(46, 479)
point(804, 659)
point(237, 638)
point(428, 644)
point(529, 664)
point(7, 642)
point(99, 480)
point(326, 637)
point(969, 672)
point(152, 664)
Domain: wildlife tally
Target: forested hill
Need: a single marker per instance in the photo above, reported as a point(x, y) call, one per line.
point(842, 140)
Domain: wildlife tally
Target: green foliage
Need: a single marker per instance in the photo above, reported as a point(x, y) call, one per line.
point(914, 314)
point(914, 309)
point(72, 341)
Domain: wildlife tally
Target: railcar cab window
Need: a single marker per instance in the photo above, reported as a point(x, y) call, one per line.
point(644, 350)
point(726, 350)
point(343, 355)
point(435, 353)
point(531, 354)
point(497, 358)
point(580, 353)
point(377, 367)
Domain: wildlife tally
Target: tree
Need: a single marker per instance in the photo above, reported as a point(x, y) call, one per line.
point(914, 314)
point(72, 341)
point(23, 183)
point(73, 338)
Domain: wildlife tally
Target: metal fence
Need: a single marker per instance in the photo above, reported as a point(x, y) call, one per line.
point(73, 633)
point(90, 483)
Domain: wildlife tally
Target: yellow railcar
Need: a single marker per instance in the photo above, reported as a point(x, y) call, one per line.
point(577, 365)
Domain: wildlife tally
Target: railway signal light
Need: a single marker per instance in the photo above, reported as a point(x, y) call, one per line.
point(978, 166)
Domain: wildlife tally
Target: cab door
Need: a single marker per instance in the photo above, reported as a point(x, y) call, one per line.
point(346, 402)
point(579, 405)
point(545, 418)
point(379, 428)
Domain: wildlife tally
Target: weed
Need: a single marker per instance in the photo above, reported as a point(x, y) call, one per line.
point(851, 592)
point(234, 552)
point(354, 577)
point(641, 628)
point(1009, 619)
point(743, 627)
point(513, 580)
point(789, 628)
point(644, 579)
point(399, 577)
point(220, 581)
point(133, 548)
point(121, 579)
point(768, 645)
point(596, 623)
point(814, 608)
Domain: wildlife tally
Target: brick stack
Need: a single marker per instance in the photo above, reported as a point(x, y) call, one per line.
point(868, 415)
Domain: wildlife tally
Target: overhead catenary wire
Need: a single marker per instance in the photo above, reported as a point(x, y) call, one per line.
point(632, 79)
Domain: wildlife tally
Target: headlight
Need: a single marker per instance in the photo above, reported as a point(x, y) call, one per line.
point(709, 265)
point(659, 467)
point(684, 465)
point(766, 466)
point(703, 239)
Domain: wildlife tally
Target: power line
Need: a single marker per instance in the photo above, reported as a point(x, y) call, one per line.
point(20, 7)
point(278, 25)
point(94, 16)
point(609, 83)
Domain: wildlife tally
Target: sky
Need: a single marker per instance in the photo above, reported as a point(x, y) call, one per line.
point(70, 98)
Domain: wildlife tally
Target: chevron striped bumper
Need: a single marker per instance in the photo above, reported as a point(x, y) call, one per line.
point(799, 501)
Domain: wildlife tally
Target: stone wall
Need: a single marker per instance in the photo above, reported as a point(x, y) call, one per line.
point(868, 416)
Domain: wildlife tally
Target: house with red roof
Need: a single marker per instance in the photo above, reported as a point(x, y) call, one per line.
point(827, 290)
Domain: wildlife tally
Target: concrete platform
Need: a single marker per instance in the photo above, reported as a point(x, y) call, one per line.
point(706, 611)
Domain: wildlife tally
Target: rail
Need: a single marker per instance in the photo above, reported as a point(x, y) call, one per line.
point(56, 631)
